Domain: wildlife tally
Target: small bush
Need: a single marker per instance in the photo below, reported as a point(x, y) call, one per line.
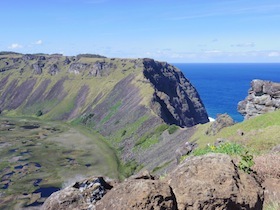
point(161, 128)
point(123, 132)
point(151, 138)
point(129, 168)
point(172, 129)
point(246, 162)
point(226, 148)
point(39, 113)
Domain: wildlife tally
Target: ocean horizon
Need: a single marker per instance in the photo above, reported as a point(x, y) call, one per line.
point(222, 85)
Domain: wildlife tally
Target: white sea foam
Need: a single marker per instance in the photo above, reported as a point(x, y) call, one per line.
point(211, 119)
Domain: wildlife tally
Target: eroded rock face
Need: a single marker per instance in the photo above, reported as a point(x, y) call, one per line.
point(81, 195)
point(263, 96)
point(213, 182)
point(175, 100)
point(222, 121)
point(139, 194)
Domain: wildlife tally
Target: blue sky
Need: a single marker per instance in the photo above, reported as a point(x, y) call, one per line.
point(168, 30)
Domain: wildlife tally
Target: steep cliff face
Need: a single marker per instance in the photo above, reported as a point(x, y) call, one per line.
point(67, 87)
point(263, 96)
point(175, 100)
point(131, 102)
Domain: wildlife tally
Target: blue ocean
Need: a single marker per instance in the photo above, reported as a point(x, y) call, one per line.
point(221, 86)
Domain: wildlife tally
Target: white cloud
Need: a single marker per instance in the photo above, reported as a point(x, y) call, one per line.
point(274, 54)
point(39, 42)
point(213, 51)
point(15, 46)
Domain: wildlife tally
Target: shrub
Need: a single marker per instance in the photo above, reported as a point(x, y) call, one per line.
point(226, 148)
point(123, 132)
point(246, 161)
point(172, 129)
point(39, 113)
point(130, 167)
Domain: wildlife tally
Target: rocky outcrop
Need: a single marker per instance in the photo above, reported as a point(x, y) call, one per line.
point(222, 121)
point(174, 99)
point(263, 97)
point(211, 181)
point(81, 195)
point(139, 194)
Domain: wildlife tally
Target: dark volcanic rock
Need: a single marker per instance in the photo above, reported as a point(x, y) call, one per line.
point(53, 69)
point(38, 68)
point(222, 121)
point(213, 181)
point(175, 100)
point(78, 68)
point(81, 195)
point(264, 96)
point(139, 194)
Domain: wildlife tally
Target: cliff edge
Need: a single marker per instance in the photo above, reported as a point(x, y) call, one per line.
point(263, 97)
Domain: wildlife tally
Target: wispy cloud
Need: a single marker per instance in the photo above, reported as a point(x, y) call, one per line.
point(15, 46)
point(274, 54)
point(217, 55)
point(38, 42)
point(215, 40)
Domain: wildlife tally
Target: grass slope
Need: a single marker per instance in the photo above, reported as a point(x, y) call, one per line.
point(260, 133)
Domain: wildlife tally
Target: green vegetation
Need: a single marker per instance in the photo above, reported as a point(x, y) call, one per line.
point(226, 148)
point(89, 56)
point(151, 138)
point(172, 129)
point(55, 152)
point(158, 168)
point(129, 168)
point(272, 205)
point(260, 133)
point(246, 162)
point(39, 113)
point(9, 53)
point(127, 131)
point(113, 111)
point(229, 148)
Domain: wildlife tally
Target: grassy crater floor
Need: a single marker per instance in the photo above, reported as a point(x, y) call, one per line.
point(39, 157)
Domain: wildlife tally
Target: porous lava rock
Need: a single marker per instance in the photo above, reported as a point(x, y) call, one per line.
point(213, 181)
point(222, 121)
point(263, 97)
point(81, 195)
point(139, 194)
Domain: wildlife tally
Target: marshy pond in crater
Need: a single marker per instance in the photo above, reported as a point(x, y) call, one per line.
point(38, 158)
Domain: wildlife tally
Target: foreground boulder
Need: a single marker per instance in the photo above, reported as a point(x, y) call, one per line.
point(222, 121)
point(139, 194)
point(213, 181)
point(81, 195)
point(263, 96)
